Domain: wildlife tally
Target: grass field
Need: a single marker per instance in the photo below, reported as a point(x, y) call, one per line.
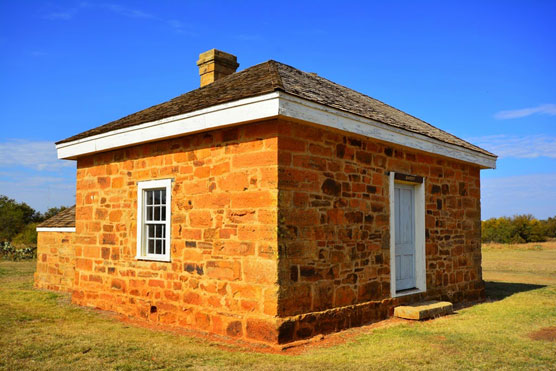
point(41, 330)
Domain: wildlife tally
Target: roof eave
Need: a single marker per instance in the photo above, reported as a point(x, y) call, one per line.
point(275, 104)
point(302, 109)
point(227, 114)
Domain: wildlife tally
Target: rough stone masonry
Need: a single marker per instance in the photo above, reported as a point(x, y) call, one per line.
point(279, 232)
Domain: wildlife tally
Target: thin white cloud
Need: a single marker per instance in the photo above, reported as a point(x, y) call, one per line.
point(37, 53)
point(179, 27)
point(118, 9)
point(521, 194)
point(36, 155)
point(544, 109)
point(248, 37)
point(514, 146)
point(126, 12)
point(39, 192)
point(63, 15)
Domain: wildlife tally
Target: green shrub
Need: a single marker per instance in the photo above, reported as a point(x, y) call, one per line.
point(11, 252)
point(27, 236)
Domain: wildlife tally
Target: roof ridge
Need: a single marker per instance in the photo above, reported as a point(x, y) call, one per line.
point(405, 113)
point(275, 74)
point(271, 76)
point(318, 77)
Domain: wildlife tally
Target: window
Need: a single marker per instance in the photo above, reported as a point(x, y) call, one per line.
point(154, 199)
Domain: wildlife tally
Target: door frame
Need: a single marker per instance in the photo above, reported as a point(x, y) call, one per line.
point(419, 231)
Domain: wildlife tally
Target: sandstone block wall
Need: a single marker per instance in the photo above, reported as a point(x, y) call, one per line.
point(223, 273)
point(55, 261)
point(279, 231)
point(334, 233)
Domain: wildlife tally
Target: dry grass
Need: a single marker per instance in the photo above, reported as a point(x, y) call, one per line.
point(41, 330)
point(532, 263)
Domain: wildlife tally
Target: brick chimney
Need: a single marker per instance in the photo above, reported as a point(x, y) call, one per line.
point(215, 64)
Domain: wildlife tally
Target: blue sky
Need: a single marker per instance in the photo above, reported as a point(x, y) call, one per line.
point(482, 70)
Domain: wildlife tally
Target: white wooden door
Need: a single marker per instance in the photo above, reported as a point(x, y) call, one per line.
point(405, 236)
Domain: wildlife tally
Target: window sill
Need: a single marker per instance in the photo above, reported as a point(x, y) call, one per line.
point(151, 259)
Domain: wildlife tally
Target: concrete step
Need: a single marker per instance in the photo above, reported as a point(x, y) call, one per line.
point(424, 310)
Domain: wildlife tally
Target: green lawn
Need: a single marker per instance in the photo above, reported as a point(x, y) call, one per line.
point(41, 330)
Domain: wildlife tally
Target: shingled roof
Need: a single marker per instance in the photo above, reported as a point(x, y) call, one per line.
point(274, 76)
point(64, 219)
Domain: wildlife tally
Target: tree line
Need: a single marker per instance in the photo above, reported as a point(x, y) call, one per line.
point(518, 229)
point(18, 221)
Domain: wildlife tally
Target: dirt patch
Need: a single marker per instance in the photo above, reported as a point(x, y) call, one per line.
point(240, 345)
point(336, 338)
point(546, 334)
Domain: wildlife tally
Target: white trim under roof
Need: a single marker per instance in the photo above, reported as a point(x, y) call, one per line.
point(55, 229)
point(305, 110)
point(240, 111)
point(276, 104)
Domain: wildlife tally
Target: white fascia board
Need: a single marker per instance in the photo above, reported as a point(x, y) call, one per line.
point(265, 107)
point(301, 109)
point(243, 110)
point(55, 229)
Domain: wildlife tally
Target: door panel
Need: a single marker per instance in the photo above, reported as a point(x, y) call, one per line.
point(404, 202)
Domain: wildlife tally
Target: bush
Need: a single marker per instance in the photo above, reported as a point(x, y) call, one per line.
point(27, 236)
point(517, 229)
point(549, 226)
point(11, 252)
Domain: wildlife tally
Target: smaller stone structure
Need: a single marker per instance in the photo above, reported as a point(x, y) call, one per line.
point(56, 252)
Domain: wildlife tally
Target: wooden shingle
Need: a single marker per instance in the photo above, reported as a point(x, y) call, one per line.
point(273, 76)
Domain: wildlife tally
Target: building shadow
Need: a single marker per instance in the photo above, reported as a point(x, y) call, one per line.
point(500, 290)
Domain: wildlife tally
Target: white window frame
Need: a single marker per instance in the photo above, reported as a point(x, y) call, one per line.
point(142, 253)
point(420, 253)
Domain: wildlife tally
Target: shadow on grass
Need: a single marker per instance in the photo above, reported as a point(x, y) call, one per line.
point(501, 290)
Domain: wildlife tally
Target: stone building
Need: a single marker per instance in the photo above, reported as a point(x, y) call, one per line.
point(270, 205)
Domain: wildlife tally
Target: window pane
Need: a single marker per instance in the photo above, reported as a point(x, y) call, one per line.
point(163, 246)
point(151, 246)
point(163, 213)
point(150, 232)
point(163, 196)
point(149, 213)
point(156, 213)
point(149, 197)
point(156, 197)
point(158, 246)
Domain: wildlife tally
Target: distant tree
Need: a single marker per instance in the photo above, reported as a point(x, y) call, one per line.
point(549, 227)
point(527, 229)
point(517, 229)
point(26, 237)
point(14, 217)
point(497, 230)
point(51, 212)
